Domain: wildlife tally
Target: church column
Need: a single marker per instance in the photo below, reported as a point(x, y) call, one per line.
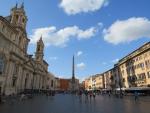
point(7, 66)
point(8, 81)
point(19, 76)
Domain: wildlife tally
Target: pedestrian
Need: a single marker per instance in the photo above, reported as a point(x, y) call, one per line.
point(135, 95)
point(90, 93)
point(94, 95)
point(86, 96)
point(0, 98)
point(12, 98)
point(86, 93)
point(80, 95)
point(22, 97)
point(109, 93)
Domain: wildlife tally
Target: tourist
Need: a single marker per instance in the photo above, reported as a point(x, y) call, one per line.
point(80, 95)
point(90, 93)
point(135, 95)
point(0, 98)
point(94, 95)
point(109, 93)
point(86, 94)
point(22, 97)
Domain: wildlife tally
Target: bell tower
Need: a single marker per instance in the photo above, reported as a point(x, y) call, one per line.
point(39, 50)
point(18, 16)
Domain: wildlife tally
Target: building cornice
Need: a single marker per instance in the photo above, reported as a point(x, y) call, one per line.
point(135, 53)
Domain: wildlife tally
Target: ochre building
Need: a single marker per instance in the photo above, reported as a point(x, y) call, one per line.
point(131, 71)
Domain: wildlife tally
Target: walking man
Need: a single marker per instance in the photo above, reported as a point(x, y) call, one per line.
point(135, 95)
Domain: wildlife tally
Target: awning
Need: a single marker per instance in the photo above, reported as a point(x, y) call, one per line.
point(138, 88)
point(118, 89)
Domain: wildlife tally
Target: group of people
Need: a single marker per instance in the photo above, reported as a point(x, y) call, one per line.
point(50, 93)
point(90, 94)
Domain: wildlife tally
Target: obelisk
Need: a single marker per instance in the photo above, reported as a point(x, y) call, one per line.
point(73, 75)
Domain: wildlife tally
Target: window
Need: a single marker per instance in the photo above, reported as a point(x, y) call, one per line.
point(1, 65)
point(17, 17)
point(130, 70)
point(148, 74)
point(147, 63)
point(23, 20)
point(38, 48)
point(20, 41)
point(123, 80)
point(26, 80)
point(140, 57)
point(14, 81)
point(142, 76)
point(137, 59)
point(142, 65)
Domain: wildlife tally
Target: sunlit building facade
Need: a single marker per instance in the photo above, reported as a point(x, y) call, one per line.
point(134, 69)
point(18, 69)
point(99, 82)
point(131, 71)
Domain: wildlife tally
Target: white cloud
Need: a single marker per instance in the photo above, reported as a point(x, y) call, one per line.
point(81, 66)
point(72, 7)
point(52, 36)
point(100, 24)
point(79, 53)
point(127, 30)
point(115, 60)
point(53, 58)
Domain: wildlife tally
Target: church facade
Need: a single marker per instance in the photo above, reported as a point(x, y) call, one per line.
point(18, 69)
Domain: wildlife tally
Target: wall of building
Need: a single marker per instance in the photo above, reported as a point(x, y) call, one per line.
point(131, 71)
point(64, 84)
point(19, 71)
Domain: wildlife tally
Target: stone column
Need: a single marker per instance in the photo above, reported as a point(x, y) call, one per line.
point(40, 81)
point(19, 79)
point(6, 73)
point(8, 82)
point(23, 79)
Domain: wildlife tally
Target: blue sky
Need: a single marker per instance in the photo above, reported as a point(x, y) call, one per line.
point(97, 32)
